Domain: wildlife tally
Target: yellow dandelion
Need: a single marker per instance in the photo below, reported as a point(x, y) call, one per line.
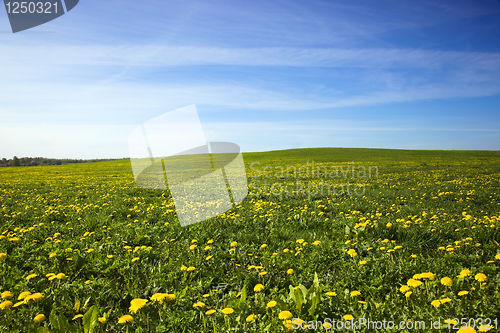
point(190, 268)
point(331, 293)
point(77, 316)
point(33, 297)
point(285, 315)
point(6, 295)
point(316, 243)
point(466, 329)
point(39, 318)
point(414, 283)
point(436, 303)
point(347, 317)
point(198, 305)
point(463, 293)
point(408, 294)
point(446, 281)
point(404, 289)
point(263, 246)
point(234, 244)
point(31, 276)
point(192, 247)
point(480, 277)
point(23, 295)
point(135, 259)
point(227, 311)
point(5, 305)
point(136, 304)
point(102, 320)
point(3, 256)
point(428, 275)
point(271, 304)
point(262, 273)
point(258, 287)
point(289, 272)
point(355, 293)
point(210, 312)
point(250, 318)
point(125, 319)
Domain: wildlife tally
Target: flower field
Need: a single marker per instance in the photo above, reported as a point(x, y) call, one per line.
point(83, 248)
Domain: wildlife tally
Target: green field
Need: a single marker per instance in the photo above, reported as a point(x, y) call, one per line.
point(417, 239)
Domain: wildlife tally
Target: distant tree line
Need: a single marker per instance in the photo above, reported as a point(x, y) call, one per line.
point(36, 161)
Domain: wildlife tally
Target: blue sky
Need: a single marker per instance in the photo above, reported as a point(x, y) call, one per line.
point(265, 75)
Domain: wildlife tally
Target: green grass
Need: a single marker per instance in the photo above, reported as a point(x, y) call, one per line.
point(426, 211)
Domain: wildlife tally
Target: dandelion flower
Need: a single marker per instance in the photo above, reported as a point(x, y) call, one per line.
point(355, 293)
point(23, 295)
point(61, 276)
point(183, 268)
point(258, 287)
point(289, 272)
point(445, 300)
point(34, 297)
point(352, 253)
point(347, 317)
point(5, 305)
point(363, 262)
point(251, 318)
point(288, 324)
point(466, 329)
point(497, 257)
point(39, 318)
point(198, 305)
point(234, 244)
point(125, 319)
point(135, 259)
point(404, 289)
point(428, 275)
point(316, 243)
point(192, 247)
point(158, 297)
point(3, 256)
point(6, 295)
point(408, 294)
point(210, 312)
point(262, 273)
point(414, 283)
point(464, 273)
point(436, 303)
point(446, 281)
point(190, 268)
point(463, 293)
point(227, 311)
point(31, 276)
point(331, 293)
point(480, 277)
point(102, 320)
point(136, 304)
point(77, 316)
point(263, 246)
point(285, 315)
point(271, 304)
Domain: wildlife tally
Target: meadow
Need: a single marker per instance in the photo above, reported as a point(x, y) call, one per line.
point(83, 249)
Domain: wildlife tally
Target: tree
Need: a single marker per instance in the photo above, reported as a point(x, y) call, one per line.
point(15, 161)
